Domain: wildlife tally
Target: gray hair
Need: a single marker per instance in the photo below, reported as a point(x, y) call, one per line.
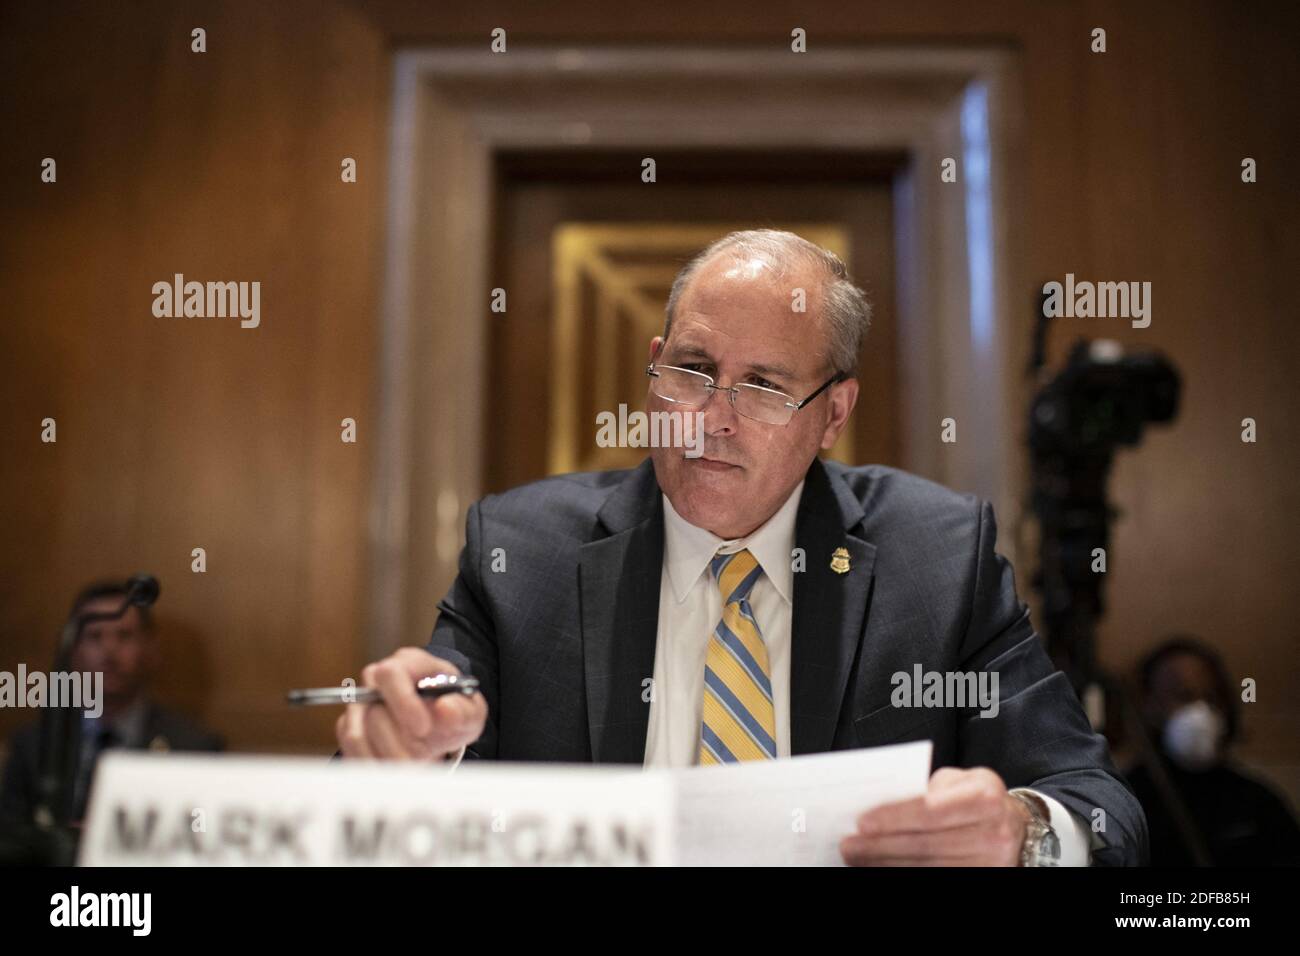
point(846, 310)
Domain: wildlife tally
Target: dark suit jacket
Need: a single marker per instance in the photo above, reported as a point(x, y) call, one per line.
point(564, 637)
point(162, 728)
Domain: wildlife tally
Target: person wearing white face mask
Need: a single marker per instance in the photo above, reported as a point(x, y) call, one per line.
point(1193, 736)
point(1202, 811)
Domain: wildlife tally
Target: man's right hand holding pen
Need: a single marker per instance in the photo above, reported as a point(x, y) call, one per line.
point(406, 726)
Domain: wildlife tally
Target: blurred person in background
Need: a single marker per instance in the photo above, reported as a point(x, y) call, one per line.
point(127, 653)
point(1201, 810)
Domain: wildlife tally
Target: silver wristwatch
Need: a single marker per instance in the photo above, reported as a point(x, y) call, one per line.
point(1042, 847)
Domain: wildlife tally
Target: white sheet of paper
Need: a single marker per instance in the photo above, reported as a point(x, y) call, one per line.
point(789, 812)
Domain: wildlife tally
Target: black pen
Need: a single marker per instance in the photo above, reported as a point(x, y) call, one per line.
point(428, 687)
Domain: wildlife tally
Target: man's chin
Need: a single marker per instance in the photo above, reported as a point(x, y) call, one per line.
point(709, 497)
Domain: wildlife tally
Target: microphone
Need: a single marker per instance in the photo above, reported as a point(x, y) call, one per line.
point(142, 590)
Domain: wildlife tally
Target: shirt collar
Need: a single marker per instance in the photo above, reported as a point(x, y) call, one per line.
point(688, 549)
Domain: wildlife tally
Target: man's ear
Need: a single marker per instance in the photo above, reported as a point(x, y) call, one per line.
point(843, 397)
point(656, 344)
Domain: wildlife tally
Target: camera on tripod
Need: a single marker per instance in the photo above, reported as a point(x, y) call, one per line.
point(1101, 400)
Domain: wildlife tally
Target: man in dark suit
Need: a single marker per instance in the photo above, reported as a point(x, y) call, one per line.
point(125, 651)
point(754, 602)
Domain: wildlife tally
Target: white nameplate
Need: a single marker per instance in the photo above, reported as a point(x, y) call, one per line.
point(177, 810)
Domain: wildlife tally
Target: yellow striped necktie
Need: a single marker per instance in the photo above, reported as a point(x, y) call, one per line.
point(739, 719)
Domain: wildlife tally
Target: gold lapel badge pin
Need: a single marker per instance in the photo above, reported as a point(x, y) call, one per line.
point(840, 561)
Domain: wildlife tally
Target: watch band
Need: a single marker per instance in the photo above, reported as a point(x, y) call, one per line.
point(1042, 847)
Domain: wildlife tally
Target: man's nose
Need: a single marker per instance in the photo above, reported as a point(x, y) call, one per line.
point(719, 415)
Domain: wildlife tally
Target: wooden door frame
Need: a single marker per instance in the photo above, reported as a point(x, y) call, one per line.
point(960, 254)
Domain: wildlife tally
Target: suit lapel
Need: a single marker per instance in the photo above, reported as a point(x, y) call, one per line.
point(829, 608)
point(618, 589)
